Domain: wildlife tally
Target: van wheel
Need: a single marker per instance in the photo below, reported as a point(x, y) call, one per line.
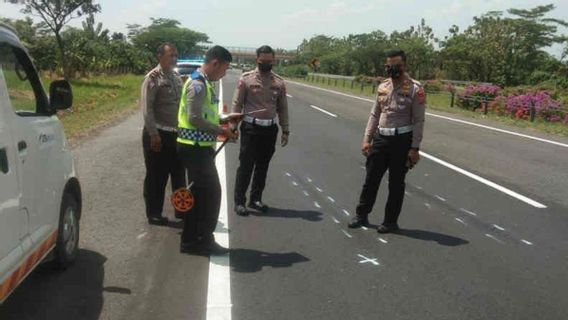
point(67, 244)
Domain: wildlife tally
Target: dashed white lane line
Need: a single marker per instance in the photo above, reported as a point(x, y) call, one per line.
point(461, 221)
point(307, 194)
point(527, 242)
point(142, 235)
point(468, 212)
point(309, 179)
point(429, 206)
point(324, 111)
point(335, 220)
point(219, 285)
point(485, 181)
point(419, 187)
point(440, 198)
point(346, 234)
point(444, 117)
point(294, 183)
point(383, 240)
point(364, 228)
point(288, 174)
point(317, 205)
point(498, 227)
point(289, 96)
point(493, 237)
point(331, 199)
point(345, 212)
point(319, 189)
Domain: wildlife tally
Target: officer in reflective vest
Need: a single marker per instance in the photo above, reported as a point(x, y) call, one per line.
point(198, 128)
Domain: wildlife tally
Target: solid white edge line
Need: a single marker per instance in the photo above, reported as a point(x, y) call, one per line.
point(445, 117)
point(324, 111)
point(485, 181)
point(219, 285)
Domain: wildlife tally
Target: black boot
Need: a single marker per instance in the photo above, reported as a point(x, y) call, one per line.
point(387, 228)
point(358, 222)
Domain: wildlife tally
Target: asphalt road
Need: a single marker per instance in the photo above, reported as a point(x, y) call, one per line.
point(468, 250)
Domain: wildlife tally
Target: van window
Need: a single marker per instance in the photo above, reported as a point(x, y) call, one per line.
point(24, 90)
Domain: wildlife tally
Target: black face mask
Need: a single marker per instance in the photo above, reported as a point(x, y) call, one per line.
point(393, 70)
point(265, 67)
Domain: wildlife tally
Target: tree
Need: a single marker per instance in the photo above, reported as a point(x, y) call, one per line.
point(56, 14)
point(166, 30)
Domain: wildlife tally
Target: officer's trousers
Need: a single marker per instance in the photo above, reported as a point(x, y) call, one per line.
point(200, 222)
point(387, 153)
point(159, 167)
point(258, 145)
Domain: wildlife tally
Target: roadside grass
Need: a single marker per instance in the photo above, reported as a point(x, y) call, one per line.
point(441, 102)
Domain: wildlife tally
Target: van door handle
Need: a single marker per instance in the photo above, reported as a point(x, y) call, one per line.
point(4, 166)
point(22, 145)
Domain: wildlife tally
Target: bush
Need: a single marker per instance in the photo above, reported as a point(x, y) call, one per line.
point(546, 108)
point(473, 96)
point(294, 71)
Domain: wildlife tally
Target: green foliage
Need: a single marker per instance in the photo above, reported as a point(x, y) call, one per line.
point(294, 71)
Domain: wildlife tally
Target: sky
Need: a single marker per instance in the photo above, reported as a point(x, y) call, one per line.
point(284, 24)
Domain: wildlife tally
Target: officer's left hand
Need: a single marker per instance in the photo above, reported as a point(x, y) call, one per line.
point(155, 73)
point(413, 157)
point(284, 139)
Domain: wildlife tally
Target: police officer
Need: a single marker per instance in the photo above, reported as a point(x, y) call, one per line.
point(262, 94)
point(392, 140)
point(160, 96)
point(198, 127)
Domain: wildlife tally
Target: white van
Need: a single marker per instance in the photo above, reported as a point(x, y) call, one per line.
point(40, 195)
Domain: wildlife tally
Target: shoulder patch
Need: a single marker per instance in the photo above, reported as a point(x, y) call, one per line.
point(198, 87)
point(277, 76)
point(248, 73)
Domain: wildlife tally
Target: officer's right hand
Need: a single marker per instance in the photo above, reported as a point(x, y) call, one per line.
point(366, 148)
point(155, 143)
point(231, 134)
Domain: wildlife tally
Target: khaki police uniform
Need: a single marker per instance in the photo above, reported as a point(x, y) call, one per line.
point(395, 126)
point(256, 91)
point(160, 96)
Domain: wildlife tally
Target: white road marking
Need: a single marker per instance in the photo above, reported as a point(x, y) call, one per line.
point(493, 237)
point(461, 221)
point(335, 220)
point(440, 198)
point(363, 167)
point(527, 242)
point(383, 240)
point(445, 117)
point(319, 189)
point(468, 212)
point(368, 260)
point(407, 193)
point(295, 183)
point(317, 205)
point(219, 285)
point(485, 181)
point(418, 187)
point(346, 234)
point(364, 228)
point(324, 111)
point(309, 179)
point(498, 227)
point(429, 206)
point(288, 174)
point(346, 212)
point(289, 96)
point(142, 235)
point(306, 193)
point(331, 199)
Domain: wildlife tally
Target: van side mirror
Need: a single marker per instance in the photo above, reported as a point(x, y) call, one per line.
point(60, 95)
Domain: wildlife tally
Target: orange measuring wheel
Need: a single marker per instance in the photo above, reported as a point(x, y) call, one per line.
point(183, 200)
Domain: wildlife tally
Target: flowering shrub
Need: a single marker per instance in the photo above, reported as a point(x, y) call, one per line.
point(473, 95)
point(546, 108)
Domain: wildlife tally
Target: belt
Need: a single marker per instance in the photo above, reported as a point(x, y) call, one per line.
point(260, 122)
point(166, 128)
point(395, 131)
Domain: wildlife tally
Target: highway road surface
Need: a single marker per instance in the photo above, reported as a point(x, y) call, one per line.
point(484, 230)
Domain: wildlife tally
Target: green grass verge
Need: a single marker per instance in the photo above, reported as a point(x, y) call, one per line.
point(441, 102)
point(96, 101)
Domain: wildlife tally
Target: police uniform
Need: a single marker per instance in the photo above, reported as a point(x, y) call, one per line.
point(198, 127)
point(395, 126)
point(259, 131)
point(160, 96)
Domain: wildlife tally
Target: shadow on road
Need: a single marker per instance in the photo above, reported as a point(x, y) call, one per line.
point(75, 293)
point(307, 215)
point(441, 239)
point(246, 260)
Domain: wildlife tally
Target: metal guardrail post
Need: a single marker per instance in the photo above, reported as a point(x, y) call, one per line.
point(532, 112)
point(335, 82)
point(452, 101)
point(362, 86)
point(352, 84)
